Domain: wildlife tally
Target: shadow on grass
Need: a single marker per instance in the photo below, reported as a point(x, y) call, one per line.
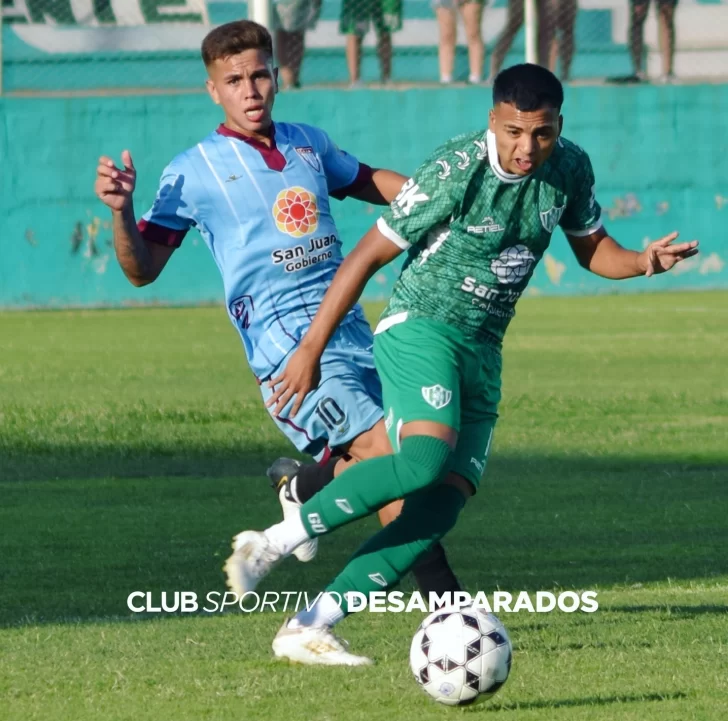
point(679, 612)
point(147, 460)
point(84, 528)
point(587, 701)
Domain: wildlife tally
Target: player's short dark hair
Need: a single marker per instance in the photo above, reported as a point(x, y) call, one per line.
point(233, 38)
point(529, 87)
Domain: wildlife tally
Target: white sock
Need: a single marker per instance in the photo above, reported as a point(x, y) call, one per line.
point(446, 79)
point(325, 612)
point(288, 535)
point(293, 487)
point(475, 79)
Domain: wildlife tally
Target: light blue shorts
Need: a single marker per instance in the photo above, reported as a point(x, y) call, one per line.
point(347, 402)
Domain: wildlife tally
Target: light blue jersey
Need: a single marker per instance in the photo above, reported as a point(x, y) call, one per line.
point(265, 215)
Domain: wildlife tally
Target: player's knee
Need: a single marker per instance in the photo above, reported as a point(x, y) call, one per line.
point(639, 13)
point(421, 461)
point(371, 444)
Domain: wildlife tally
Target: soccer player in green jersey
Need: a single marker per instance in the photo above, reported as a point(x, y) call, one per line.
point(475, 220)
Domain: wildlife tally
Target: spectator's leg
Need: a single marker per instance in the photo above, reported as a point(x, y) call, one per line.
point(353, 56)
point(566, 22)
point(667, 37)
point(446, 21)
point(547, 11)
point(636, 33)
point(289, 49)
point(514, 20)
point(384, 51)
point(472, 13)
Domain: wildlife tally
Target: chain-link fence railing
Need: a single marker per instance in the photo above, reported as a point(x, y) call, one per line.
point(89, 45)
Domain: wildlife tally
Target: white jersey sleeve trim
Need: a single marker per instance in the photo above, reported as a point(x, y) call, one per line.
point(583, 233)
point(387, 323)
point(387, 232)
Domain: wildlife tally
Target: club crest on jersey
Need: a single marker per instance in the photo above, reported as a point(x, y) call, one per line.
point(437, 396)
point(308, 154)
point(241, 309)
point(550, 218)
point(296, 212)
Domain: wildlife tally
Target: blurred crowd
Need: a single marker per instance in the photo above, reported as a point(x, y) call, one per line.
point(555, 41)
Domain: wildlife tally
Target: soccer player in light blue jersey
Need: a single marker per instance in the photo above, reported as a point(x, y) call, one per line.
point(258, 193)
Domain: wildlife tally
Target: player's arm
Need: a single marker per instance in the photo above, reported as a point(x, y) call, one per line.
point(302, 373)
point(599, 252)
point(141, 260)
point(371, 253)
point(423, 203)
point(382, 188)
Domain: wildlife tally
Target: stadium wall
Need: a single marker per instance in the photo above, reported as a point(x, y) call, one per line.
point(658, 152)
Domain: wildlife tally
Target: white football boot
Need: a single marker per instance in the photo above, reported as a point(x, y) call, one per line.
point(315, 646)
point(254, 557)
point(281, 474)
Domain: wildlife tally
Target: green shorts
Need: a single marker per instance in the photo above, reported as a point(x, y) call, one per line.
point(357, 16)
point(296, 15)
point(431, 372)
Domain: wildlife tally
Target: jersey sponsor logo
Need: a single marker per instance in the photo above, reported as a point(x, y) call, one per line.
point(481, 149)
point(550, 218)
point(296, 212)
point(437, 396)
point(407, 198)
point(304, 256)
point(308, 154)
point(464, 159)
point(488, 225)
point(241, 310)
point(233, 178)
point(513, 264)
point(480, 290)
point(444, 173)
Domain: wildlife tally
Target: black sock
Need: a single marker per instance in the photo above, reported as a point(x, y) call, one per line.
point(312, 477)
point(433, 573)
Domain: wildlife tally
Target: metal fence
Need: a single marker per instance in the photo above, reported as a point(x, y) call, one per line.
point(91, 45)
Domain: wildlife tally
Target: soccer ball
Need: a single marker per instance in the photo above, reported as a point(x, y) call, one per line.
point(459, 655)
point(513, 264)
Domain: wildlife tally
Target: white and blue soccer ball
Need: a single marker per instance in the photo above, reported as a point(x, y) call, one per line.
point(460, 655)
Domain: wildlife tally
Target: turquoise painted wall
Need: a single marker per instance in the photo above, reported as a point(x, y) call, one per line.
point(659, 154)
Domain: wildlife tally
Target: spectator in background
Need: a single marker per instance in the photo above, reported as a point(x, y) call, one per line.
point(514, 20)
point(356, 18)
point(291, 19)
point(560, 24)
point(666, 20)
point(472, 13)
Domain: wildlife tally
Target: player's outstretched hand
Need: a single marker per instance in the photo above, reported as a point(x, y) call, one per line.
point(301, 376)
point(114, 186)
point(662, 255)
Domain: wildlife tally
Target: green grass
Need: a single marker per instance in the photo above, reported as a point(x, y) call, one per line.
point(133, 446)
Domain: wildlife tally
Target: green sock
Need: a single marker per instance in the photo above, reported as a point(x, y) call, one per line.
point(369, 485)
point(388, 555)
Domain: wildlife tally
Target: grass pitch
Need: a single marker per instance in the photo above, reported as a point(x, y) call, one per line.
point(133, 446)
